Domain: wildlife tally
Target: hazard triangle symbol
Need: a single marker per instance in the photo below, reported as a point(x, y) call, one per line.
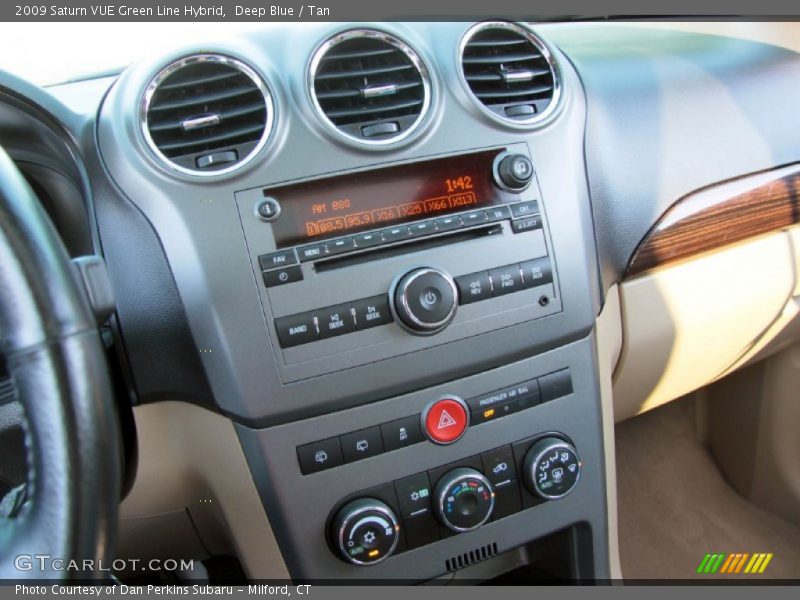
point(445, 420)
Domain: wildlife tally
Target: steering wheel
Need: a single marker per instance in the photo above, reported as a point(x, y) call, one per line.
point(55, 357)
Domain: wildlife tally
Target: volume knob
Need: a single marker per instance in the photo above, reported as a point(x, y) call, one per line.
point(425, 300)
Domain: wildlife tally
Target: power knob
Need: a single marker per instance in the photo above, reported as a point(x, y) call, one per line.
point(425, 300)
point(365, 531)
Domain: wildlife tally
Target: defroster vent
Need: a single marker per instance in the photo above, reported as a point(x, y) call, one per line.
point(207, 114)
point(369, 86)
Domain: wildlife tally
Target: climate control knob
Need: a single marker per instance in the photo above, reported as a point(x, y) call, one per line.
point(425, 300)
point(365, 531)
point(464, 499)
point(551, 468)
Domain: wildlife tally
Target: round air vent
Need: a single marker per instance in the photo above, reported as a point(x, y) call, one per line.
point(369, 86)
point(511, 72)
point(207, 115)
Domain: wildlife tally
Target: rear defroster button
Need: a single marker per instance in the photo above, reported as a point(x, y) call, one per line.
point(446, 420)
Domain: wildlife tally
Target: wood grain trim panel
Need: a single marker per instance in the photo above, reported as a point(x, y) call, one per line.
point(720, 215)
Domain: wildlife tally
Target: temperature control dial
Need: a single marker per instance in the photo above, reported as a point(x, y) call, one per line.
point(425, 300)
point(365, 531)
point(464, 499)
point(552, 468)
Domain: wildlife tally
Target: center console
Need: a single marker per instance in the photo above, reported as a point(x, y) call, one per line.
point(402, 334)
point(357, 269)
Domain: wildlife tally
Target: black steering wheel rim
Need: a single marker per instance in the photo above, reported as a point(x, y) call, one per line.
point(54, 354)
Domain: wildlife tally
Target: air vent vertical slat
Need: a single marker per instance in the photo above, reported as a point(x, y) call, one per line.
point(369, 87)
point(472, 557)
point(207, 114)
point(510, 72)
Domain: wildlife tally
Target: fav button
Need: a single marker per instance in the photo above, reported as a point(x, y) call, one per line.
point(361, 444)
point(282, 258)
point(445, 421)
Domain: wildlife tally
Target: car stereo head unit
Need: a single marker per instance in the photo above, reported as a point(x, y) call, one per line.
point(357, 267)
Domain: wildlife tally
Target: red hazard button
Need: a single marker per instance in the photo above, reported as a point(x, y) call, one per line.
point(445, 420)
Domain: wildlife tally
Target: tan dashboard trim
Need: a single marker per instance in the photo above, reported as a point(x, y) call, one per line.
point(721, 215)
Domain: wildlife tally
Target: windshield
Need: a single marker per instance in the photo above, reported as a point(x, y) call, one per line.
point(48, 53)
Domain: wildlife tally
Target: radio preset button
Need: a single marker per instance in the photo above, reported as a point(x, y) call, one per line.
point(335, 320)
point(395, 233)
point(371, 312)
point(282, 276)
point(423, 228)
point(448, 223)
point(341, 245)
point(506, 280)
point(537, 272)
point(367, 240)
point(474, 287)
point(475, 217)
point(274, 260)
point(296, 329)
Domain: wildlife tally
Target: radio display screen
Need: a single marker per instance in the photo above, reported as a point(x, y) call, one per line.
point(344, 204)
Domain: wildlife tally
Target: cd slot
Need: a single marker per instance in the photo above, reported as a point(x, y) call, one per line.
point(406, 247)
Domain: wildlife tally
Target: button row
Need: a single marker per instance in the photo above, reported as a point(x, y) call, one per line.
point(504, 280)
point(415, 230)
point(521, 396)
point(400, 433)
point(358, 445)
point(331, 321)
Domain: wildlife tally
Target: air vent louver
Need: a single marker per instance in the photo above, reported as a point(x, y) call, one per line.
point(510, 71)
point(369, 86)
point(207, 114)
point(470, 558)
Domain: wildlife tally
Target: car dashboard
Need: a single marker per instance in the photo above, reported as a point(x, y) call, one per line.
point(408, 275)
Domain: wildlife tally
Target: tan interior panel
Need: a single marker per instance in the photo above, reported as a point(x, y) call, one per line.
point(192, 468)
point(686, 325)
point(609, 346)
